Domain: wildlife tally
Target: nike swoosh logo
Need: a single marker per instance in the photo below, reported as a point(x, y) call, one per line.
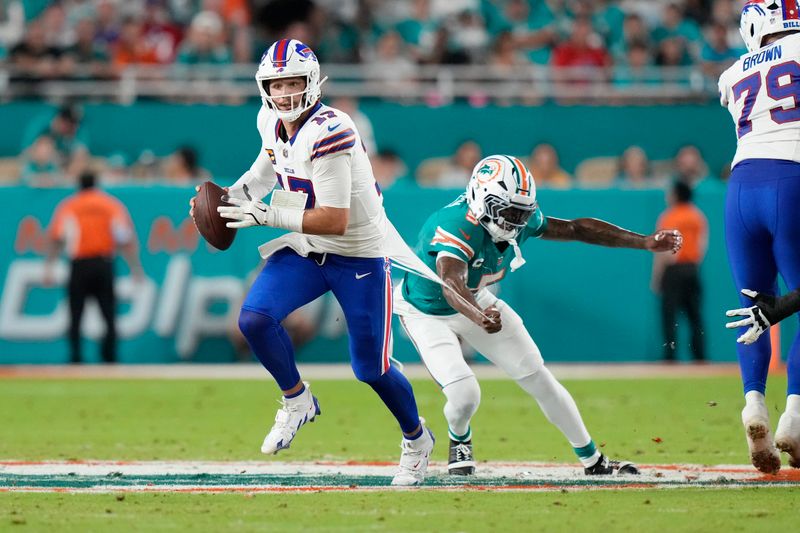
point(359, 276)
point(331, 128)
point(464, 233)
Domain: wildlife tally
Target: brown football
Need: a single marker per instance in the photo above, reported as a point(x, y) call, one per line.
point(209, 223)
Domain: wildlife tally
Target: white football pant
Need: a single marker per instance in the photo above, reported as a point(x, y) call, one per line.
point(436, 339)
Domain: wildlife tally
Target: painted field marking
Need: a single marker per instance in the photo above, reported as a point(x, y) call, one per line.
point(196, 476)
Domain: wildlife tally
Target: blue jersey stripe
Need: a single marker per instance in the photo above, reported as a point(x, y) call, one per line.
point(333, 138)
point(333, 149)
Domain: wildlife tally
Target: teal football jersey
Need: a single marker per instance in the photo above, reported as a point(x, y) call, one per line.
point(454, 231)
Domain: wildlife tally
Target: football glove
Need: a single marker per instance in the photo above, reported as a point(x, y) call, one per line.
point(767, 311)
point(246, 213)
point(253, 212)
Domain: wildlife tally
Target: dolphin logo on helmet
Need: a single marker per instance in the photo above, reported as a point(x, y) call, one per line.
point(501, 194)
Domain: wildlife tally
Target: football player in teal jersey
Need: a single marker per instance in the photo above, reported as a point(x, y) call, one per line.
point(471, 244)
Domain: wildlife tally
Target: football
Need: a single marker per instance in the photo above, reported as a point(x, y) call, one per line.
point(209, 223)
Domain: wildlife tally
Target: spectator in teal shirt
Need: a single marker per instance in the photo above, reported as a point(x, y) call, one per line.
point(634, 30)
point(40, 164)
point(609, 19)
point(69, 139)
point(419, 31)
point(716, 54)
point(636, 67)
point(205, 44)
point(533, 28)
point(673, 24)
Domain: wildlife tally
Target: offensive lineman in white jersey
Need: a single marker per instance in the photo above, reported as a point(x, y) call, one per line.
point(762, 218)
point(334, 209)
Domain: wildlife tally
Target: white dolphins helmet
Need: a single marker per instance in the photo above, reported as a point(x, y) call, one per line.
point(502, 195)
point(289, 58)
point(766, 17)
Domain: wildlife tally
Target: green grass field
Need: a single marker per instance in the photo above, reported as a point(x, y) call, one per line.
point(649, 421)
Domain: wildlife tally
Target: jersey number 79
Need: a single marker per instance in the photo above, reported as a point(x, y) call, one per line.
point(775, 89)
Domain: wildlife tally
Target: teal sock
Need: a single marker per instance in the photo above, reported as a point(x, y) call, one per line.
point(587, 454)
point(464, 438)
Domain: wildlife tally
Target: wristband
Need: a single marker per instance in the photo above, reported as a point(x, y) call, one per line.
point(291, 219)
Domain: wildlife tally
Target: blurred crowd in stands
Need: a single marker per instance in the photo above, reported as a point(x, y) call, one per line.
point(630, 170)
point(56, 151)
point(97, 38)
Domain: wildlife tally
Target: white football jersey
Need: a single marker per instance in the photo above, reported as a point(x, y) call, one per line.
point(762, 92)
point(312, 162)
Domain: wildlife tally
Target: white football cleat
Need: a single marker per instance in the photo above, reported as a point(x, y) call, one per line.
point(763, 454)
point(787, 437)
point(294, 412)
point(414, 459)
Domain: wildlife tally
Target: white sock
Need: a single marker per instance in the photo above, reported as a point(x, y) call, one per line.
point(463, 398)
point(755, 406)
point(793, 404)
point(754, 397)
point(560, 409)
point(301, 398)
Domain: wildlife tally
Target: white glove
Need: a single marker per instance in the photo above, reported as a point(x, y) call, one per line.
point(754, 317)
point(246, 213)
point(254, 212)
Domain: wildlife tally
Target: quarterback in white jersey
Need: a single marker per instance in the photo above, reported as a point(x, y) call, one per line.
point(334, 209)
point(312, 162)
point(762, 219)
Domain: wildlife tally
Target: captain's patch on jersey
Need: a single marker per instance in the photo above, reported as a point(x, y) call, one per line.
point(271, 155)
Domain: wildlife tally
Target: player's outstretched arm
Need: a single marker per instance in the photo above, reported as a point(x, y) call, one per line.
point(454, 274)
point(594, 231)
point(767, 311)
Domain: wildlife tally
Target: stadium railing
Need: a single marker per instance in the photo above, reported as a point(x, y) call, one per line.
point(441, 84)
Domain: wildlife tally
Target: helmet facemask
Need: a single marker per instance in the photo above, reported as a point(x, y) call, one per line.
point(295, 111)
point(505, 220)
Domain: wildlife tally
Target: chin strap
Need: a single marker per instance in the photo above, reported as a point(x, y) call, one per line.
point(518, 260)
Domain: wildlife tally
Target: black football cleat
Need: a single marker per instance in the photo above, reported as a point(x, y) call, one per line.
point(461, 461)
point(606, 467)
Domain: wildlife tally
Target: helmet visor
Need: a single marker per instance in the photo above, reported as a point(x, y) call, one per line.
point(515, 216)
point(509, 217)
